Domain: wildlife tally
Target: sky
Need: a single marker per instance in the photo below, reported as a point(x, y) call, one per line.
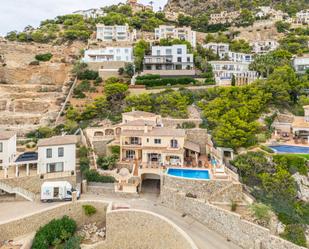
point(17, 14)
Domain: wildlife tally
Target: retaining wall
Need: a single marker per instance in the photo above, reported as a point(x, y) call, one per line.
point(230, 225)
point(30, 223)
point(208, 190)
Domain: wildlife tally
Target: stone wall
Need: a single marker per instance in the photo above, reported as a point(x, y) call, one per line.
point(34, 183)
point(207, 190)
point(174, 122)
point(198, 136)
point(107, 189)
point(30, 223)
point(230, 225)
point(142, 229)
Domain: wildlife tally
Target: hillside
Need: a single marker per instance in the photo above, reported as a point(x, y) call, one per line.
point(31, 93)
point(194, 7)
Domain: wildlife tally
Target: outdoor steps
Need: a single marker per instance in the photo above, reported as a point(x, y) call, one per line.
point(17, 190)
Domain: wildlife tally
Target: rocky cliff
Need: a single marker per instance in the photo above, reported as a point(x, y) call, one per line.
point(31, 95)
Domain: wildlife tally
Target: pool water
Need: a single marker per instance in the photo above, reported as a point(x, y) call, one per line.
point(290, 149)
point(189, 173)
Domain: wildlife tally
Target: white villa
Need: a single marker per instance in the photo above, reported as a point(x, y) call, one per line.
point(301, 63)
point(57, 154)
point(54, 155)
point(267, 11)
point(124, 54)
point(265, 46)
point(224, 53)
point(173, 60)
point(90, 13)
point(7, 148)
point(181, 33)
point(225, 70)
point(221, 49)
point(120, 33)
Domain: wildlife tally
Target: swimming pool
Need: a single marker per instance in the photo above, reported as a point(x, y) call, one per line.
point(189, 173)
point(290, 149)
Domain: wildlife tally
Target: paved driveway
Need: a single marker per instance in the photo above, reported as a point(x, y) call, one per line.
point(203, 237)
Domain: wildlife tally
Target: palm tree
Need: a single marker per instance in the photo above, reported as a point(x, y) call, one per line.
point(151, 3)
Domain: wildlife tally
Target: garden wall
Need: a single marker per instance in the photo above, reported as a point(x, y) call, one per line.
point(214, 190)
point(30, 223)
point(230, 225)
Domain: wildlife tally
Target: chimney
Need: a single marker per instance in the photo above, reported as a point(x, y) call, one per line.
point(146, 128)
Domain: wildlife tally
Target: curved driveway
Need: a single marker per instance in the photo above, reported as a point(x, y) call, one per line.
point(203, 237)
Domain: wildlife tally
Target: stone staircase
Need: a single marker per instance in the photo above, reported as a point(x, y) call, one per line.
point(18, 191)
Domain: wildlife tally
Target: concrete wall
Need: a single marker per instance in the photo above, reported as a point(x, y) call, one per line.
point(105, 65)
point(30, 223)
point(203, 189)
point(142, 229)
point(230, 225)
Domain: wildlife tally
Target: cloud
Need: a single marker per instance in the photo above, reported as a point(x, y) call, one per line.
point(16, 14)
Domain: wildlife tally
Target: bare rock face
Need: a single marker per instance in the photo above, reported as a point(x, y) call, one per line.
point(303, 186)
point(31, 95)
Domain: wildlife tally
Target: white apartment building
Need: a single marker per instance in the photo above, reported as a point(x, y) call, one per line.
point(225, 70)
point(57, 154)
point(124, 54)
point(90, 13)
point(301, 64)
point(302, 17)
point(262, 47)
point(181, 33)
point(175, 57)
point(7, 148)
point(115, 33)
point(221, 49)
point(240, 57)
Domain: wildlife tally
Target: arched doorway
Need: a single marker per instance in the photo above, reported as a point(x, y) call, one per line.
point(150, 184)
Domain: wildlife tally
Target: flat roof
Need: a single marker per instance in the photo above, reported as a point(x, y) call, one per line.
point(58, 140)
point(27, 156)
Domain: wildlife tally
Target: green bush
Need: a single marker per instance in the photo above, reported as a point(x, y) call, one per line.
point(296, 234)
point(94, 176)
point(261, 212)
point(72, 243)
point(88, 75)
point(188, 125)
point(55, 231)
point(148, 77)
point(107, 162)
point(166, 81)
point(43, 57)
point(292, 163)
point(89, 210)
point(115, 150)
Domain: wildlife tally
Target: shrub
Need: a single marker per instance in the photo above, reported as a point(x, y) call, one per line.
point(234, 206)
point(188, 125)
point(107, 162)
point(292, 163)
point(54, 232)
point(115, 150)
point(295, 233)
point(190, 195)
point(94, 176)
point(88, 75)
point(261, 212)
point(98, 81)
point(148, 77)
point(43, 57)
point(72, 243)
point(166, 81)
point(267, 149)
point(89, 210)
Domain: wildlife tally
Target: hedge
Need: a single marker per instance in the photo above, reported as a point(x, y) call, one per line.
point(148, 77)
point(54, 232)
point(166, 81)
